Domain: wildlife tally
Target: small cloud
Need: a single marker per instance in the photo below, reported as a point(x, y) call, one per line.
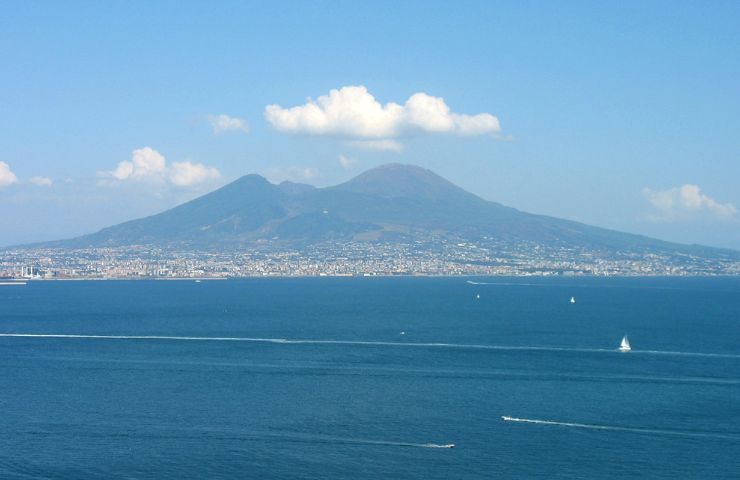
point(184, 174)
point(292, 173)
point(7, 177)
point(224, 123)
point(352, 112)
point(41, 181)
point(346, 162)
point(307, 173)
point(148, 164)
point(145, 162)
point(686, 202)
point(381, 145)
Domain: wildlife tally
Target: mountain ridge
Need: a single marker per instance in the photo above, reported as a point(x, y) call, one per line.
point(392, 202)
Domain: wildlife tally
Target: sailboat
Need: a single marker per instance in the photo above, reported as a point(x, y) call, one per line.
point(572, 299)
point(625, 345)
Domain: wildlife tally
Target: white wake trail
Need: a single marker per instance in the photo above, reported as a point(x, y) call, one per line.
point(287, 341)
point(617, 428)
point(346, 440)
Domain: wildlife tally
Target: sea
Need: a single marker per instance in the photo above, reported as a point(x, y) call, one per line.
point(371, 378)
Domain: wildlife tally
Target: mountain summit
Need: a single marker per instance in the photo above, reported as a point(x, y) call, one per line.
point(396, 180)
point(390, 203)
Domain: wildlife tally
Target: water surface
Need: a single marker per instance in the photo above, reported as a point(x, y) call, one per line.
point(313, 378)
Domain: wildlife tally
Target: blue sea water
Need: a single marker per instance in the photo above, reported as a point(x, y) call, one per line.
point(312, 378)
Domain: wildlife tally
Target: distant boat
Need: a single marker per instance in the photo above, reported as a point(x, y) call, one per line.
point(197, 281)
point(572, 299)
point(625, 345)
point(477, 295)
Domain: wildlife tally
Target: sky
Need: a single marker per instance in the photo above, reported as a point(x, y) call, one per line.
point(623, 115)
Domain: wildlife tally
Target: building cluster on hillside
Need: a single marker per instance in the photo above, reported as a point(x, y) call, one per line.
point(350, 258)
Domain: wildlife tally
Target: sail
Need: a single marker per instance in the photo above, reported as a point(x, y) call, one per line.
point(625, 345)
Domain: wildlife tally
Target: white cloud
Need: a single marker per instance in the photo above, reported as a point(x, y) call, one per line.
point(7, 177)
point(346, 162)
point(685, 202)
point(224, 123)
point(184, 174)
point(41, 181)
point(293, 173)
point(382, 145)
point(148, 164)
point(306, 173)
point(352, 112)
point(145, 162)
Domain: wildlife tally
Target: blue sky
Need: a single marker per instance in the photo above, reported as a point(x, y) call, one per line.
point(623, 115)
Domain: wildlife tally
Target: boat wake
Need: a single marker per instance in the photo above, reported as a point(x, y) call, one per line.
point(617, 428)
point(286, 341)
point(329, 439)
point(210, 434)
point(358, 441)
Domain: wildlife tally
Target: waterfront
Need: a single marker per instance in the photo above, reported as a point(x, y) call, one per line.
point(353, 259)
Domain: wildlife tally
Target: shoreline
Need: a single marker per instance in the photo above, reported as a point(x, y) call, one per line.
point(24, 281)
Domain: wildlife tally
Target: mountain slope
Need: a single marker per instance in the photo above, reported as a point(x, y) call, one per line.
point(389, 203)
point(238, 208)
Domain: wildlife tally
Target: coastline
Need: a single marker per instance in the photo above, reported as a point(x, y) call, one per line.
point(25, 281)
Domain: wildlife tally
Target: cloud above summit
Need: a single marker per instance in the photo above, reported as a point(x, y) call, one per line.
point(353, 113)
point(184, 174)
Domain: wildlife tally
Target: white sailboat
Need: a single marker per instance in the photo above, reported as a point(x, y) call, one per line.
point(625, 345)
point(572, 299)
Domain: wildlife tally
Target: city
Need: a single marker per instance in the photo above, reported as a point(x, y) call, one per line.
point(438, 257)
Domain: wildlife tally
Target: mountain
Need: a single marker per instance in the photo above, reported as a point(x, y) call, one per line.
point(390, 203)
